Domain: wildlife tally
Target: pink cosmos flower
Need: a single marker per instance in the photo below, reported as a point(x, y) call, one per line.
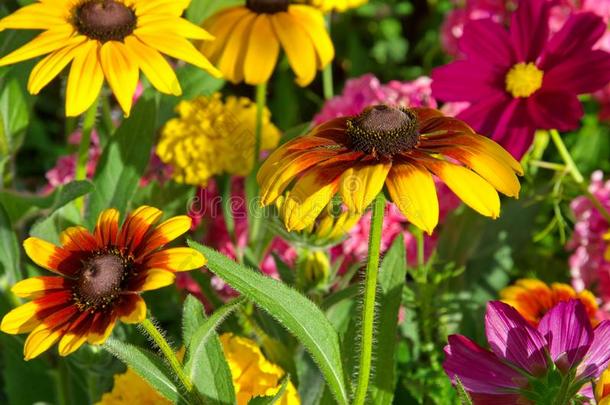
point(523, 79)
point(563, 349)
point(367, 90)
point(588, 263)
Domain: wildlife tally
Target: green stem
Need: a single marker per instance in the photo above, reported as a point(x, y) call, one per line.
point(327, 73)
point(83, 149)
point(107, 116)
point(368, 305)
point(261, 102)
point(170, 355)
point(572, 169)
point(63, 383)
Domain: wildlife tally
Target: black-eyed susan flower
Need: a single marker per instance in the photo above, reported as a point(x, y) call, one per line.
point(111, 39)
point(533, 299)
point(248, 40)
point(100, 276)
point(213, 137)
point(602, 388)
point(399, 147)
point(253, 375)
point(335, 5)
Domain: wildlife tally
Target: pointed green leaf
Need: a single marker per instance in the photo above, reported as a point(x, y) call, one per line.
point(272, 399)
point(9, 246)
point(298, 314)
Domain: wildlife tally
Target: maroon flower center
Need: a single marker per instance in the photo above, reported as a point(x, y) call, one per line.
point(267, 6)
point(383, 130)
point(100, 279)
point(104, 20)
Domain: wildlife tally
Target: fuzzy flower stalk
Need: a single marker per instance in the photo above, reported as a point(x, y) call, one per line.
point(553, 363)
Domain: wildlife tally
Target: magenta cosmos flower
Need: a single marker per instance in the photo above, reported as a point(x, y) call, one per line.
point(523, 79)
point(527, 364)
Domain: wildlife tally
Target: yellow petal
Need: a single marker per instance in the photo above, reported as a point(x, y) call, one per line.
point(231, 63)
point(155, 67)
point(166, 232)
point(70, 343)
point(137, 310)
point(85, 79)
point(360, 185)
point(45, 254)
point(221, 25)
point(172, 7)
point(121, 71)
point(39, 341)
point(176, 259)
point(313, 23)
point(412, 189)
point(44, 43)
point(157, 278)
point(298, 47)
point(21, 319)
point(36, 16)
point(262, 52)
point(156, 24)
point(35, 287)
point(177, 47)
point(107, 227)
point(100, 329)
point(469, 187)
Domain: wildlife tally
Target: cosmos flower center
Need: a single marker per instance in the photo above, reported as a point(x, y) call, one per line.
point(523, 79)
point(99, 281)
point(267, 6)
point(383, 130)
point(104, 20)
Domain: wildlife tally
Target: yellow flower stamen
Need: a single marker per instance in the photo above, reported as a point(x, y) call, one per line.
point(523, 79)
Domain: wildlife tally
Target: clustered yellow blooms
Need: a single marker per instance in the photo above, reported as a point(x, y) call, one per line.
point(212, 137)
point(253, 375)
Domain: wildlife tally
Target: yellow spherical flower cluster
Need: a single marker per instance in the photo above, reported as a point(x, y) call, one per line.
point(212, 137)
point(253, 375)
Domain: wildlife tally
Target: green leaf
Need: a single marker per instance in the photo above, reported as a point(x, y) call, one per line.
point(146, 365)
point(9, 246)
point(205, 363)
point(392, 275)
point(462, 393)
point(199, 10)
point(124, 160)
point(270, 400)
point(298, 314)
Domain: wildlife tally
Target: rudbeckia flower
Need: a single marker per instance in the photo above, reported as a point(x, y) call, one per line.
point(527, 364)
point(201, 143)
point(533, 299)
point(248, 40)
point(100, 277)
point(111, 39)
point(399, 147)
point(523, 79)
point(602, 389)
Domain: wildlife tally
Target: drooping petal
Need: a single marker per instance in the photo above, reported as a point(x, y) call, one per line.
point(313, 23)
point(85, 79)
point(231, 63)
point(132, 309)
point(49, 332)
point(48, 68)
point(221, 25)
point(155, 67)
point(262, 52)
point(478, 369)
point(121, 71)
point(36, 287)
point(512, 338)
point(46, 42)
point(412, 189)
point(75, 335)
point(360, 185)
point(597, 358)
point(101, 327)
point(26, 317)
point(176, 259)
point(529, 29)
point(568, 333)
point(156, 23)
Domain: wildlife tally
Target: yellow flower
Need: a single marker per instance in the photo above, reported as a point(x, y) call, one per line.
point(111, 39)
point(248, 40)
point(335, 5)
point(533, 298)
point(211, 137)
point(253, 375)
point(400, 148)
point(100, 276)
point(602, 388)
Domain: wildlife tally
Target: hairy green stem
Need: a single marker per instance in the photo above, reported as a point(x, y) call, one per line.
point(327, 73)
point(174, 363)
point(368, 305)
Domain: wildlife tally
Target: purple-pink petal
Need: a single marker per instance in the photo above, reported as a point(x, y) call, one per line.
point(555, 110)
point(478, 369)
point(568, 332)
point(512, 338)
point(529, 29)
point(585, 72)
point(495, 49)
point(465, 81)
point(598, 356)
point(490, 399)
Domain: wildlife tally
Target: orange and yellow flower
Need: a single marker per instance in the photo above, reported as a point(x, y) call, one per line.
point(602, 388)
point(248, 40)
point(534, 298)
point(111, 39)
point(401, 148)
point(100, 276)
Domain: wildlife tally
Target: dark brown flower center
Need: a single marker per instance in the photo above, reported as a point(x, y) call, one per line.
point(100, 279)
point(104, 20)
point(267, 6)
point(383, 130)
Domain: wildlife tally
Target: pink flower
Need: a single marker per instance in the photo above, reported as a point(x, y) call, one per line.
point(65, 168)
point(366, 90)
point(588, 266)
point(521, 355)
